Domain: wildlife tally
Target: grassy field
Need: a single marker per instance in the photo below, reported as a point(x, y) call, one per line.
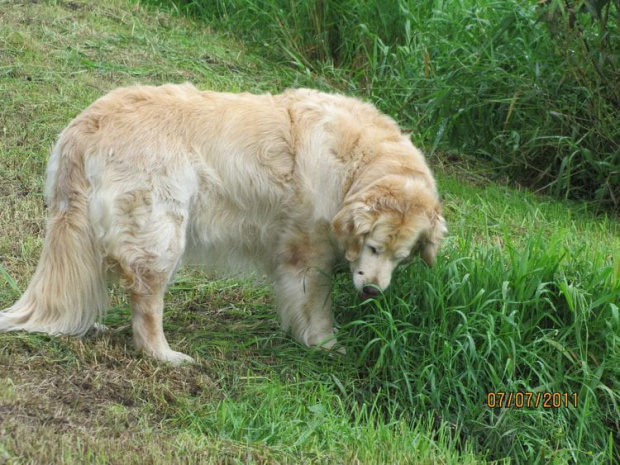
point(524, 298)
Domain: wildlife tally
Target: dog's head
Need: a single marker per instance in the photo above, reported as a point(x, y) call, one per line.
point(385, 225)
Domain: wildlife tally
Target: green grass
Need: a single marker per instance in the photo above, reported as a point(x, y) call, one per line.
point(505, 315)
point(525, 297)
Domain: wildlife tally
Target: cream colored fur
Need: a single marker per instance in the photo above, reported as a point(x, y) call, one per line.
point(147, 176)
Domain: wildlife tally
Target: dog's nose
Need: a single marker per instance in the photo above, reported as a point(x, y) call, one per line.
point(370, 290)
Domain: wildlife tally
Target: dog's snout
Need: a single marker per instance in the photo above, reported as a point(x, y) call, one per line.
point(370, 290)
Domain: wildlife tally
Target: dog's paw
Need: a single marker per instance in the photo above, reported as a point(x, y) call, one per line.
point(339, 349)
point(173, 357)
point(328, 343)
point(334, 349)
point(99, 328)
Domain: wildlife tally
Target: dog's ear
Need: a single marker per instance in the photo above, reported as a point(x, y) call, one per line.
point(349, 227)
point(433, 239)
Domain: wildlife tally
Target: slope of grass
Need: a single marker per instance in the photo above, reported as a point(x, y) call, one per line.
point(524, 298)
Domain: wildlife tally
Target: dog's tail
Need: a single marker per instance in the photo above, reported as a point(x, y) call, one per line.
point(68, 291)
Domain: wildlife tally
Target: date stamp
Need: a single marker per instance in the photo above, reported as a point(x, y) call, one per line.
point(525, 399)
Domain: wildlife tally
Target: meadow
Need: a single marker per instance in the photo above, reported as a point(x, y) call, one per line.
point(525, 297)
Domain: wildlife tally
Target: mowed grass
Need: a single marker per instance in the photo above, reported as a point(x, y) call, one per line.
point(524, 298)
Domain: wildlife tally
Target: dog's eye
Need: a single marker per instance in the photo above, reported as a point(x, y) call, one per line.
point(373, 249)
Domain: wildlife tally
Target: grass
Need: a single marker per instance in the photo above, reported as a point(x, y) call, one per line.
point(524, 298)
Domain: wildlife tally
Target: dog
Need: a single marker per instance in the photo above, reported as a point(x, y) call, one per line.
point(290, 183)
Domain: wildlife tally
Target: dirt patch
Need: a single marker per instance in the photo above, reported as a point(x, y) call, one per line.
point(69, 398)
point(92, 386)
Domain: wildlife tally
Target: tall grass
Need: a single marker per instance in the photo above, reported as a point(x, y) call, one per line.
point(531, 318)
point(531, 87)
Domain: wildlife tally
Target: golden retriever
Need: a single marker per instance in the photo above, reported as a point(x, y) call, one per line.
point(148, 176)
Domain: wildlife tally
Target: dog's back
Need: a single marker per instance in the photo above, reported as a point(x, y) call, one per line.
point(220, 165)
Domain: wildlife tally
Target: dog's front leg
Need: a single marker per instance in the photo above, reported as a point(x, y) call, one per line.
point(303, 290)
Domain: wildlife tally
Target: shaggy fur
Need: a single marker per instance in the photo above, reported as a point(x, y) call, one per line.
point(288, 183)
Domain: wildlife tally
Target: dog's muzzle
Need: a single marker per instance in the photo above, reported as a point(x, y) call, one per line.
point(369, 292)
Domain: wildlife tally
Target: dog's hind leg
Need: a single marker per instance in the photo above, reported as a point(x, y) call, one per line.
point(148, 251)
point(147, 309)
